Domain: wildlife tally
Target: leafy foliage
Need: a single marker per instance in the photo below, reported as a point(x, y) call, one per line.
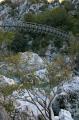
point(55, 17)
point(20, 42)
point(68, 5)
point(6, 37)
point(58, 70)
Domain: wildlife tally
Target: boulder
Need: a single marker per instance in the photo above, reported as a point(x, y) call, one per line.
point(30, 59)
point(71, 86)
point(42, 74)
point(67, 97)
point(6, 81)
point(65, 115)
point(3, 114)
point(24, 102)
point(56, 117)
point(59, 101)
point(23, 65)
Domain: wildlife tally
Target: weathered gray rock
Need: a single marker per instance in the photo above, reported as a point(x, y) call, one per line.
point(25, 64)
point(56, 117)
point(3, 114)
point(1, 98)
point(65, 115)
point(67, 97)
point(22, 7)
point(24, 104)
point(59, 102)
point(30, 59)
point(6, 81)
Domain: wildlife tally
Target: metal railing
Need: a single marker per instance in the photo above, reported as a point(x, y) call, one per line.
point(38, 28)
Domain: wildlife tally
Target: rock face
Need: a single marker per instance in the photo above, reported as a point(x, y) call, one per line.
point(26, 63)
point(22, 7)
point(24, 101)
point(3, 114)
point(6, 81)
point(65, 115)
point(42, 74)
point(67, 97)
point(27, 109)
point(31, 60)
point(64, 102)
point(27, 103)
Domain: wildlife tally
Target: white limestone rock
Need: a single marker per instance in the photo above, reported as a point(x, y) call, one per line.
point(70, 86)
point(31, 58)
point(67, 97)
point(31, 61)
point(3, 114)
point(65, 115)
point(6, 81)
point(56, 117)
point(25, 103)
point(42, 73)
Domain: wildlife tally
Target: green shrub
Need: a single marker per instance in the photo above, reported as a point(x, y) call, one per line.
point(8, 90)
point(68, 5)
point(6, 37)
point(8, 107)
point(55, 17)
point(58, 71)
point(20, 42)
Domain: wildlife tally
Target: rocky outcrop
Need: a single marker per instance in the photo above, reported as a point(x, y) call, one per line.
point(30, 61)
point(28, 100)
point(65, 115)
point(24, 64)
point(67, 97)
point(3, 114)
point(28, 105)
point(21, 8)
point(6, 81)
point(42, 74)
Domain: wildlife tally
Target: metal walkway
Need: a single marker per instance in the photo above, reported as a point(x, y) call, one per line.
point(37, 28)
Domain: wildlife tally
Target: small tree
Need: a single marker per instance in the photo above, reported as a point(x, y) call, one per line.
point(73, 50)
point(46, 113)
point(58, 70)
point(68, 5)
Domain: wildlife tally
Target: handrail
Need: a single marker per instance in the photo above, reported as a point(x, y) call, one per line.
point(37, 27)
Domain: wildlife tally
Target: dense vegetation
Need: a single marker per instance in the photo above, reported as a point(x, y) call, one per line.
point(61, 66)
point(60, 17)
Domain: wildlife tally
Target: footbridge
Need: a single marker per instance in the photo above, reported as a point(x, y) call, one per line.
point(37, 28)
